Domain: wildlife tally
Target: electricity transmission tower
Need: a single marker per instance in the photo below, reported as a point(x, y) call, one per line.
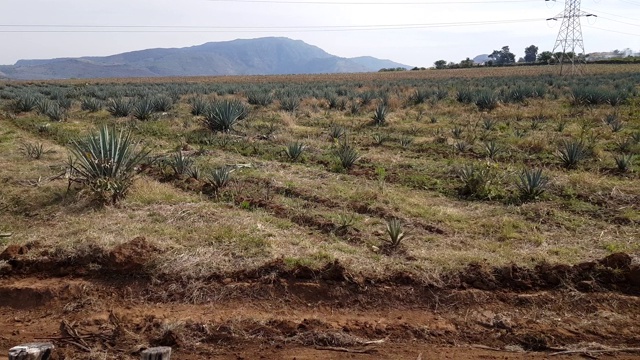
point(569, 41)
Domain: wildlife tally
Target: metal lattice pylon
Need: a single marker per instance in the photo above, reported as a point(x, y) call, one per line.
point(569, 41)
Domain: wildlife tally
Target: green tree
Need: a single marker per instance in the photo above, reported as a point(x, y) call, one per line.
point(503, 57)
point(440, 64)
point(530, 53)
point(467, 63)
point(545, 57)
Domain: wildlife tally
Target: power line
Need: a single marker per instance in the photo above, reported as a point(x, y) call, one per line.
point(610, 14)
point(621, 22)
point(207, 29)
point(630, 2)
point(373, 3)
point(613, 31)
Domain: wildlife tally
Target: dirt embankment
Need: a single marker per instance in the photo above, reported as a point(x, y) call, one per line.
point(105, 304)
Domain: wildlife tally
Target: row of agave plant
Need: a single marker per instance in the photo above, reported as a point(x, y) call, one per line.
point(486, 93)
point(107, 161)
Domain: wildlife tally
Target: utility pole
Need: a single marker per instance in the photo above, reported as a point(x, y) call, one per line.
point(569, 39)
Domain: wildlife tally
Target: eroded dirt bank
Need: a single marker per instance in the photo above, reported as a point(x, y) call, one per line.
point(275, 312)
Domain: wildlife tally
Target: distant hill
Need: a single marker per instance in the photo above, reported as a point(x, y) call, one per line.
point(377, 64)
point(263, 56)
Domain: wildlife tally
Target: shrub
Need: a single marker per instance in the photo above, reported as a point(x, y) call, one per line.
point(367, 97)
point(106, 162)
point(616, 125)
point(531, 184)
point(224, 114)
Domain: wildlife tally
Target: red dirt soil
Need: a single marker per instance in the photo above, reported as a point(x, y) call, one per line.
point(113, 310)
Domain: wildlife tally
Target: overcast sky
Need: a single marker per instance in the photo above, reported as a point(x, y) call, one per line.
point(415, 32)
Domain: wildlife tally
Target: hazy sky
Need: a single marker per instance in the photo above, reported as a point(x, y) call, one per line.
point(412, 32)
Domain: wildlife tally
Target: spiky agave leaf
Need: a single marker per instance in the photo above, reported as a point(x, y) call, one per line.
point(532, 184)
point(224, 114)
point(106, 162)
point(395, 232)
point(294, 150)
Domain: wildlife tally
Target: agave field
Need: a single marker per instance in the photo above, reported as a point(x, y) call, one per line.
point(421, 173)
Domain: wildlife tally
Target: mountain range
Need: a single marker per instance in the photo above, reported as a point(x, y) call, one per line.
point(263, 56)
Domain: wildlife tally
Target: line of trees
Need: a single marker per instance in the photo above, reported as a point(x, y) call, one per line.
point(505, 57)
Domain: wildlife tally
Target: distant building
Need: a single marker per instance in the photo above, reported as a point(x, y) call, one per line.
point(612, 54)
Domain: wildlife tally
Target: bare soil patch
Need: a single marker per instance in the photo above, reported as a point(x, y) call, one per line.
point(280, 312)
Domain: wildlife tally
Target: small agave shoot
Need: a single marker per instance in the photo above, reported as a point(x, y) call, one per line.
point(624, 162)
point(492, 150)
point(347, 154)
point(106, 162)
point(219, 178)
point(406, 141)
point(224, 114)
point(33, 150)
point(395, 232)
point(379, 139)
point(336, 132)
point(532, 184)
point(294, 150)
point(380, 115)
point(475, 181)
point(571, 153)
point(180, 164)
